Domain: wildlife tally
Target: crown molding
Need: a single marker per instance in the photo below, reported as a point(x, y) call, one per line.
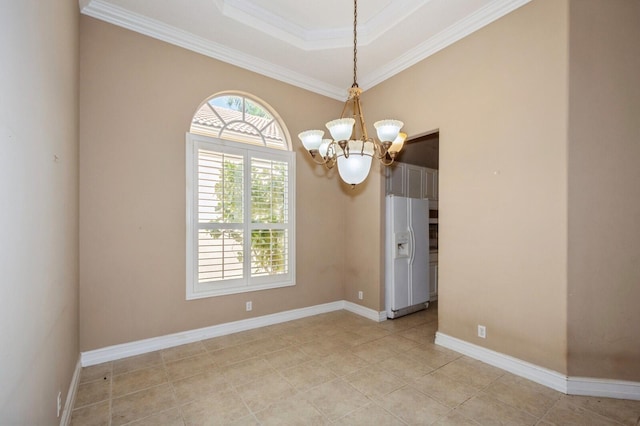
point(121, 17)
point(263, 20)
point(249, 13)
point(461, 29)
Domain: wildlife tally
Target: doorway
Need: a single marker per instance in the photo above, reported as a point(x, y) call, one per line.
point(416, 176)
point(423, 151)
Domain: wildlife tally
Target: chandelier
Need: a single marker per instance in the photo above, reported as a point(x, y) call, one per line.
point(350, 147)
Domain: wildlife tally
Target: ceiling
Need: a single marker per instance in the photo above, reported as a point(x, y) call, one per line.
point(307, 43)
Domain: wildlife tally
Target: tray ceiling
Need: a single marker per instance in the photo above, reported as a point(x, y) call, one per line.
point(307, 43)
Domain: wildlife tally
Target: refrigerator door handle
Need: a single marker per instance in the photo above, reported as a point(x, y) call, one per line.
point(412, 245)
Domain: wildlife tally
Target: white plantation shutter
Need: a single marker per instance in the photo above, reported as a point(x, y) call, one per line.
point(217, 258)
point(269, 217)
point(220, 216)
point(240, 217)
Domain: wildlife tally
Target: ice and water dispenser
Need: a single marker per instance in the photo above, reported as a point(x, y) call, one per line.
point(402, 241)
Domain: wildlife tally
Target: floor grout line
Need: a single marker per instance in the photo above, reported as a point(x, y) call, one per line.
point(330, 334)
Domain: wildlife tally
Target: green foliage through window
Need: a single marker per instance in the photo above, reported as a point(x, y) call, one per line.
point(269, 186)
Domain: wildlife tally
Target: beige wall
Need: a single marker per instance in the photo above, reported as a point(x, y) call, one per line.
point(39, 230)
point(517, 252)
point(364, 235)
point(137, 99)
point(499, 99)
point(604, 208)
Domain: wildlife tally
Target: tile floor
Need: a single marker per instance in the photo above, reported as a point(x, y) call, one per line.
point(335, 368)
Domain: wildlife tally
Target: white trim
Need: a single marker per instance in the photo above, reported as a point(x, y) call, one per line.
point(247, 283)
point(513, 365)
point(603, 387)
point(552, 379)
point(65, 418)
point(111, 353)
point(365, 312)
point(105, 11)
point(261, 19)
point(124, 18)
point(445, 38)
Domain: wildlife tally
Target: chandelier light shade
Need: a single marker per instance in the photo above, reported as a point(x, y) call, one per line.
point(388, 129)
point(311, 139)
point(324, 147)
point(397, 144)
point(341, 128)
point(354, 161)
point(350, 148)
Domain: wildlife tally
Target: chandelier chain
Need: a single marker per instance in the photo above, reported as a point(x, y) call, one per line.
point(355, 43)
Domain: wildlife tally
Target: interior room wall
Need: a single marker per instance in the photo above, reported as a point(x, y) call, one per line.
point(364, 231)
point(39, 187)
point(604, 208)
point(499, 100)
point(137, 98)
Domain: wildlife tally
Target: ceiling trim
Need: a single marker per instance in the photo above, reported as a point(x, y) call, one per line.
point(119, 16)
point(248, 13)
point(159, 30)
point(464, 27)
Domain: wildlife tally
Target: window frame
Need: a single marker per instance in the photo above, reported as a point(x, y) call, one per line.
point(197, 290)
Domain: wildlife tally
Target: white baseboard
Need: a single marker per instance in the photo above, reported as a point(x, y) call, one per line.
point(365, 312)
point(552, 379)
point(541, 375)
point(603, 387)
point(124, 350)
point(65, 418)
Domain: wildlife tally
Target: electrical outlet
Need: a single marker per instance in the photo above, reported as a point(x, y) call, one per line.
point(249, 305)
point(59, 404)
point(482, 331)
point(360, 295)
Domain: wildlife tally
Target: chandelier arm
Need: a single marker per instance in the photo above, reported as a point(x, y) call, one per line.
point(345, 148)
point(382, 151)
point(386, 162)
point(319, 160)
point(378, 151)
point(384, 148)
point(330, 163)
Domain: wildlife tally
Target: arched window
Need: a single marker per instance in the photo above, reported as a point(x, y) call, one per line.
point(240, 206)
point(236, 117)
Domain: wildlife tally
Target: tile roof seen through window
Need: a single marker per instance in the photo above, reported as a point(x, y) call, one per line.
point(231, 124)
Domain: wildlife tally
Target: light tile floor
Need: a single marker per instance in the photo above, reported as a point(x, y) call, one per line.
point(335, 368)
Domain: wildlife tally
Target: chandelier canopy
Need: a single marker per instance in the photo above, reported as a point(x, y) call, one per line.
point(350, 148)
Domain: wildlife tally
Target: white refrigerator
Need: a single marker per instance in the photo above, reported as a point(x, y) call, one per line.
point(406, 255)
